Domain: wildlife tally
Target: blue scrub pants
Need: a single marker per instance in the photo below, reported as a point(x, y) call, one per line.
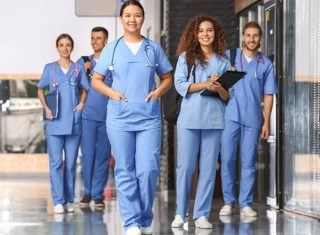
point(96, 152)
point(249, 137)
point(62, 181)
point(189, 143)
point(137, 155)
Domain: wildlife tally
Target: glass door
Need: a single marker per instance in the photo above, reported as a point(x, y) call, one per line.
point(270, 33)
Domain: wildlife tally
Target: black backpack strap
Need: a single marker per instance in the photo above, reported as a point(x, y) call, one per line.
point(85, 58)
point(232, 56)
point(192, 70)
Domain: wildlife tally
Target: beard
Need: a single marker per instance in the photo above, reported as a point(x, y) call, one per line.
point(257, 46)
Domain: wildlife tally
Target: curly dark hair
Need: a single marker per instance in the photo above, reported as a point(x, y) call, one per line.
point(189, 43)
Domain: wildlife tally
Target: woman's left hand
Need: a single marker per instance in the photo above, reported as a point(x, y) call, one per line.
point(153, 95)
point(79, 107)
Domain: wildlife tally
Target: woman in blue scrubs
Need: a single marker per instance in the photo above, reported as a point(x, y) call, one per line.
point(63, 132)
point(201, 119)
point(133, 115)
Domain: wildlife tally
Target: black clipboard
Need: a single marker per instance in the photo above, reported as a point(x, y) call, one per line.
point(52, 101)
point(227, 80)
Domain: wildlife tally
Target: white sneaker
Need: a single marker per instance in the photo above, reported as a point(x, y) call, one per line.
point(177, 222)
point(248, 211)
point(58, 209)
point(69, 207)
point(133, 231)
point(146, 230)
point(186, 226)
point(226, 210)
point(202, 222)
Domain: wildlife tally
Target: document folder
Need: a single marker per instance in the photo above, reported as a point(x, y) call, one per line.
point(227, 80)
point(52, 101)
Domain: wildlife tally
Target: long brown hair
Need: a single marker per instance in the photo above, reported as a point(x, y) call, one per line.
point(189, 43)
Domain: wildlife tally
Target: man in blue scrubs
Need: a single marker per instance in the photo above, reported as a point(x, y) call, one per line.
point(243, 120)
point(95, 145)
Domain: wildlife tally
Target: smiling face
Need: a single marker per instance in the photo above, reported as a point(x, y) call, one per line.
point(251, 38)
point(205, 35)
point(132, 19)
point(98, 41)
point(64, 47)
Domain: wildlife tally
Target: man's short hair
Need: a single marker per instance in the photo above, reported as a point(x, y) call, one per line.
point(101, 29)
point(252, 24)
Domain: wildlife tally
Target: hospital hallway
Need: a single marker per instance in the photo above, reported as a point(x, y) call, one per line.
point(26, 209)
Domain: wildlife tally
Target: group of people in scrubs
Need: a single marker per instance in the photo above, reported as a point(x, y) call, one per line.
point(110, 100)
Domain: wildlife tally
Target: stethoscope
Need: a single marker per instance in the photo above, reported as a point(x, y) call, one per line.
point(257, 62)
point(74, 70)
point(146, 49)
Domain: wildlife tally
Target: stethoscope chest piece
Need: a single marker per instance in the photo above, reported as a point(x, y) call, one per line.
point(111, 68)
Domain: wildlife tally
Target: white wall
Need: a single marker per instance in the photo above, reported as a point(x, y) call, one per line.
point(29, 30)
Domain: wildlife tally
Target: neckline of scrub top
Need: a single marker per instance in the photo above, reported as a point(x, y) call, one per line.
point(258, 54)
point(139, 50)
point(69, 69)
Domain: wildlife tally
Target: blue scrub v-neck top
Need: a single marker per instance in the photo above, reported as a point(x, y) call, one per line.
point(134, 77)
point(246, 96)
point(69, 84)
point(96, 103)
point(197, 111)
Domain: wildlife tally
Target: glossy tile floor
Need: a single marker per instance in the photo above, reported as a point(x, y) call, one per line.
point(26, 209)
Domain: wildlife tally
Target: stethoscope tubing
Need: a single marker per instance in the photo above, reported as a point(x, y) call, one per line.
point(257, 61)
point(74, 70)
point(111, 67)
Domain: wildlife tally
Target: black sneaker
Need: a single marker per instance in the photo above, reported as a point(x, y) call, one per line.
point(85, 201)
point(99, 204)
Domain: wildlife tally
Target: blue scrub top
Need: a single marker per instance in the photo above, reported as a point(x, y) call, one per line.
point(96, 103)
point(134, 77)
point(247, 95)
point(200, 112)
point(68, 121)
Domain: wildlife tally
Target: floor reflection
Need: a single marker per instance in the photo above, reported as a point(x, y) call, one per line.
point(26, 208)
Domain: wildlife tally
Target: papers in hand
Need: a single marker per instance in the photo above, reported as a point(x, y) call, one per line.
point(52, 101)
point(227, 80)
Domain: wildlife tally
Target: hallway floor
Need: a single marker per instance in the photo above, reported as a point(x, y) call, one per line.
point(26, 209)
